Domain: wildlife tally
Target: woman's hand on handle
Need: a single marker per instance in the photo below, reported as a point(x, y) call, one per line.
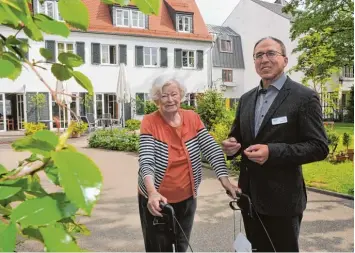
point(154, 200)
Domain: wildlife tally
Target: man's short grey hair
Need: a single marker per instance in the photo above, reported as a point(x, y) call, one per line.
point(160, 82)
point(282, 45)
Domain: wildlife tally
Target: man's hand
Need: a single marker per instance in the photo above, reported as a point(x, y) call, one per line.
point(230, 146)
point(258, 153)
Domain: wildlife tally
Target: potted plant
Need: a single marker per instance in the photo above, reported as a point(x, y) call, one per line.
point(341, 156)
point(79, 128)
point(346, 143)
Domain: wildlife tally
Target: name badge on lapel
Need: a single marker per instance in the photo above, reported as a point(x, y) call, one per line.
point(279, 120)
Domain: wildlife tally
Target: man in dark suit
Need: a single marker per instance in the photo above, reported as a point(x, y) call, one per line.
point(278, 127)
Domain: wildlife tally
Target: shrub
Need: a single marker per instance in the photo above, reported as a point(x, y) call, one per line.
point(80, 127)
point(211, 107)
point(116, 139)
point(150, 107)
point(31, 127)
point(133, 124)
point(220, 132)
point(187, 107)
point(333, 139)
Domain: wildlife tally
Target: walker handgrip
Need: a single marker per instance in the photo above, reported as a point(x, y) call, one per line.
point(238, 194)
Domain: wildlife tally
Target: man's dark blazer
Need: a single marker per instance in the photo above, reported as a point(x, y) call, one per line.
point(277, 187)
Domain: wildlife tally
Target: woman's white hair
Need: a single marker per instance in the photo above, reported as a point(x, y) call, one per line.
point(163, 80)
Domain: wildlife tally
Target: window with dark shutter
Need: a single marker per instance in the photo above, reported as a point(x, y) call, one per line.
point(139, 56)
point(80, 50)
point(199, 59)
point(178, 58)
point(50, 45)
point(95, 53)
point(163, 57)
point(123, 54)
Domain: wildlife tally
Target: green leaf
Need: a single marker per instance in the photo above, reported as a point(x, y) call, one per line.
point(8, 191)
point(32, 233)
point(32, 31)
point(9, 56)
point(50, 26)
point(57, 240)
point(4, 210)
point(67, 208)
point(28, 143)
point(37, 212)
point(47, 54)
point(6, 68)
point(70, 59)
point(80, 178)
point(75, 13)
point(84, 81)
point(61, 72)
point(52, 173)
point(7, 237)
point(148, 6)
point(120, 2)
point(48, 137)
point(7, 16)
point(3, 170)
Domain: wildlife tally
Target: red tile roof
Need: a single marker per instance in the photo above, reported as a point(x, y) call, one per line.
point(159, 26)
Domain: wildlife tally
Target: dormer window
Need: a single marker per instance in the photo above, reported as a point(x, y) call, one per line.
point(184, 23)
point(49, 8)
point(226, 46)
point(124, 17)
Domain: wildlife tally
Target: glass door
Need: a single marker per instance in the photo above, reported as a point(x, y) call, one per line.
point(20, 111)
point(2, 113)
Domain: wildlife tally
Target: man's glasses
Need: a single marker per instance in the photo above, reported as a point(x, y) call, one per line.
point(269, 54)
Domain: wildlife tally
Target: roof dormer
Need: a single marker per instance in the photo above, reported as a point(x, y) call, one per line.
point(129, 16)
point(181, 15)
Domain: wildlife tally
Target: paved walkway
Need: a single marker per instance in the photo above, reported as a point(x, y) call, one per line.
point(327, 225)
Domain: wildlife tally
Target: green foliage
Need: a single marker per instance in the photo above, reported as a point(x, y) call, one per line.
point(26, 209)
point(332, 19)
point(316, 60)
point(187, 107)
point(350, 106)
point(211, 107)
point(333, 139)
point(116, 139)
point(39, 100)
point(38, 213)
point(133, 124)
point(31, 128)
point(149, 107)
point(346, 140)
point(80, 127)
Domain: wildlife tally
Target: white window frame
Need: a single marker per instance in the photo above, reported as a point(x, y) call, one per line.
point(151, 57)
point(226, 51)
point(140, 15)
point(65, 46)
point(122, 19)
point(56, 14)
point(108, 48)
point(184, 17)
point(348, 72)
point(182, 59)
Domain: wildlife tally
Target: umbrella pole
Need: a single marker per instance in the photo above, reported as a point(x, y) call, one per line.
point(123, 121)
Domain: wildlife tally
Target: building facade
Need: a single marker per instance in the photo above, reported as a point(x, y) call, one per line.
point(174, 43)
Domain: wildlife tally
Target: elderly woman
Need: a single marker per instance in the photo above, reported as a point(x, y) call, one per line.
point(170, 169)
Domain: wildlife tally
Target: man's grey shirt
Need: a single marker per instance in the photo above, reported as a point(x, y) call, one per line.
point(264, 100)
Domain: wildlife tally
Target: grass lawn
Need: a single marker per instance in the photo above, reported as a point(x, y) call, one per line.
point(334, 177)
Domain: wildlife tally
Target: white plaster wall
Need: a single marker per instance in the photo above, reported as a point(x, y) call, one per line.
point(238, 78)
point(104, 77)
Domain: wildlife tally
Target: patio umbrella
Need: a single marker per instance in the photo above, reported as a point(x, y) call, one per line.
point(123, 94)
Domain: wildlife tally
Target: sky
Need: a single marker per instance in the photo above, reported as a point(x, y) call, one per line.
point(215, 12)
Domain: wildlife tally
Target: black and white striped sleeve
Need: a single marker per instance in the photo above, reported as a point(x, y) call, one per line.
point(212, 152)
